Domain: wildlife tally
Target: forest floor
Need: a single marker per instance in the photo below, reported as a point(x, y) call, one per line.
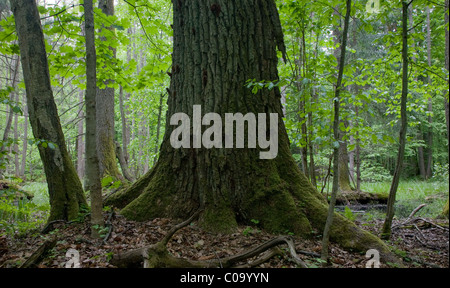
point(423, 246)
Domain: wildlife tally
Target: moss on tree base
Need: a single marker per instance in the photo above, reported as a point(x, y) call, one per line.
point(283, 203)
point(361, 197)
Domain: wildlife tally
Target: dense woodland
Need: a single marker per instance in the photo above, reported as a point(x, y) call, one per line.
point(362, 93)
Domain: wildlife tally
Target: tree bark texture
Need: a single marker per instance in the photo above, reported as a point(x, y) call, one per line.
point(14, 79)
point(92, 163)
point(65, 190)
point(344, 173)
point(81, 151)
point(429, 171)
point(106, 148)
point(218, 46)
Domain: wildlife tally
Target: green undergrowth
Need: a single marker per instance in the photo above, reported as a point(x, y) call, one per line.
point(23, 209)
point(411, 194)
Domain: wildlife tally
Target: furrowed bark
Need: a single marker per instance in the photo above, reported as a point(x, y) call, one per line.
point(65, 190)
point(218, 46)
point(92, 164)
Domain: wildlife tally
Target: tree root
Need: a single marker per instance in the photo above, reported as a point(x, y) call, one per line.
point(157, 255)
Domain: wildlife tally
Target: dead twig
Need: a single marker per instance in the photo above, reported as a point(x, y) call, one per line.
point(39, 254)
point(157, 255)
point(110, 226)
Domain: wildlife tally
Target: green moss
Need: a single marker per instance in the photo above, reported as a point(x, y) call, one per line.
point(218, 220)
point(153, 202)
point(445, 211)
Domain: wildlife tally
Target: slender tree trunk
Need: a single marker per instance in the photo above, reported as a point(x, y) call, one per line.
point(420, 149)
point(16, 138)
point(305, 134)
point(344, 173)
point(122, 154)
point(81, 150)
point(25, 139)
point(447, 51)
point(123, 117)
point(65, 190)
point(92, 163)
point(351, 155)
point(429, 170)
point(9, 118)
point(105, 115)
point(386, 232)
point(123, 164)
point(336, 131)
point(358, 155)
point(126, 129)
point(421, 157)
point(312, 165)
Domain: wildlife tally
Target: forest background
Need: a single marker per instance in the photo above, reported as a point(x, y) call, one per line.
point(136, 74)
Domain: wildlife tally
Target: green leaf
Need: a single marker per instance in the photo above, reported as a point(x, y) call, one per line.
point(374, 138)
point(16, 109)
point(118, 27)
point(51, 146)
point(336, 144)
point(106, 181)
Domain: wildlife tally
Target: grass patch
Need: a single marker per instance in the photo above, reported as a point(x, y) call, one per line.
point(412, 193)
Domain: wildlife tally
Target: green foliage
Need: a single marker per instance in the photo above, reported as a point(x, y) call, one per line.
point(43, 143)
point(250, 230)
point(349, 214)
point(39, 192)
point(374, 172)
point(412, 193)
point(110, 182)
point(18, 215)
point(440, 172)
point(102, 230)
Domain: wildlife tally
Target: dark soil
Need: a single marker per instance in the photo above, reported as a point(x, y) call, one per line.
point(426, 246)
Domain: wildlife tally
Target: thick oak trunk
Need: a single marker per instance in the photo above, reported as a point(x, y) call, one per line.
point(218, 46)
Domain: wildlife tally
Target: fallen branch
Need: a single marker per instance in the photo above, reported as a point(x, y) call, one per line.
point(409, 219)
point(108, 223)
point(49, 226)
point(264, 258)
point(157, 255)
point(39, 254)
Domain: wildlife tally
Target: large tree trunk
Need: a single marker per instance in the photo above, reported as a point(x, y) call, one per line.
point(66, 192)
point(218, 46)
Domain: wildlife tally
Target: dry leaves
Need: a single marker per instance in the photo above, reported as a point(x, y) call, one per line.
point(427, 248)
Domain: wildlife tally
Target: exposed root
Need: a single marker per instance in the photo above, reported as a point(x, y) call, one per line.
point(157, 255)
